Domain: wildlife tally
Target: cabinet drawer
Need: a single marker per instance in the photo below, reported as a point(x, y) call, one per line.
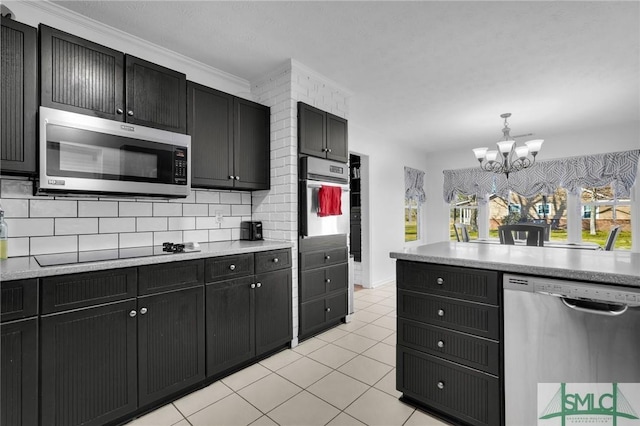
point(467, 394)
point(462, 348)
point(474, 318)
point(317, 259)
point(219, 268)
point(318, 282)
point(18, 299)
point(272, 260)
point(462, 283)
point(64, 292)
point(170, 276)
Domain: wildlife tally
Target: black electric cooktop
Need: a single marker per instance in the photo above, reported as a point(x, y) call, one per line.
point(57, 259)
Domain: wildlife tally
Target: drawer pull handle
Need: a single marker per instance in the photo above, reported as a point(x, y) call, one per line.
point(327, 257)
point(440, 344)
point(440, 385)
point(143, 311)
point(328, 280)
point(440, 281)
point(253, 285)
point(328, 309)
point(130, 113)
point(232, 267)
point(275, 260)
point(133, 314)
point(259, 285)
point(440, 312)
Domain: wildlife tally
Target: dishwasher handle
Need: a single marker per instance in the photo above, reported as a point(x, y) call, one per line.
point(598, 308)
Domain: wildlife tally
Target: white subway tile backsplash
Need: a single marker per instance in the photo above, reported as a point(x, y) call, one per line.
point(167, 209)
point(75, 226)
point(181, 223)
point(221, 234)
point(164, 237)
point(15, 207)
point(136, 239)
point(60, 244)
point(151, 224)
point(29, 227)
point(200, 236)
point(246, 198)
point(18, 247)
point(135, 209)
point(223, 209)
point(117, 224)
point(195, 209)
point(97, 242)
point(231, 222)
point(207, 223)
point(11, 188)
point(230, 198)
point(206, 197)
point(241, 210)
point(97, 208)
point(53, 208)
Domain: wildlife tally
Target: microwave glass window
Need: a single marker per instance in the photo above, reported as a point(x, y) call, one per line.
point(80, 153)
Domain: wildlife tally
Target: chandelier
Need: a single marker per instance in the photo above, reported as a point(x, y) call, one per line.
point(512, 158)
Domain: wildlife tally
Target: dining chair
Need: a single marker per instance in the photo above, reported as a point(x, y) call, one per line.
point(612, 237)
point(534, 233)
point(462, 232)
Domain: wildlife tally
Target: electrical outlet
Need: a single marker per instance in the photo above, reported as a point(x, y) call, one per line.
point(218, 216)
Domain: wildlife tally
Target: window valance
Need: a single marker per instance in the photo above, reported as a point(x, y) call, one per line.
point(414, 184)
point(616, 168)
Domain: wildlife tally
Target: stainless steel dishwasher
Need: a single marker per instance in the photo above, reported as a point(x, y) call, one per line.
point(561, 338)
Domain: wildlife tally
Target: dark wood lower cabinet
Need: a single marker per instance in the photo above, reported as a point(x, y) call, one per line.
point(170, 343)
point(273, 310)
point(19, 373)
point(89, 365)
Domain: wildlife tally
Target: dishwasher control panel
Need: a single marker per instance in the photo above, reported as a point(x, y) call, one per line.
point(573, 289)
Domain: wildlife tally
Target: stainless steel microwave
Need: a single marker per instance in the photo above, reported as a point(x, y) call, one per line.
point(80, 154)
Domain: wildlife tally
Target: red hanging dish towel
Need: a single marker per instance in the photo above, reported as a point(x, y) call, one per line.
point(329, 201)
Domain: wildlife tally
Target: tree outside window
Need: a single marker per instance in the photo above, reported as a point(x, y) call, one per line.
point(411, 219)
point(600, 211)
point(464, 210)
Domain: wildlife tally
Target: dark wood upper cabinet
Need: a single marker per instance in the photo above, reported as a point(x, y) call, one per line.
point(81, 76)
point(19, 100)
point(156, 96)
point(230, 138)
point(321, 134)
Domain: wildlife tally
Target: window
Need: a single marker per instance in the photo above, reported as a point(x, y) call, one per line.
point(464, 210)
point(600, 211)
point(515, 208)
point(411, 219)
point(543, 209)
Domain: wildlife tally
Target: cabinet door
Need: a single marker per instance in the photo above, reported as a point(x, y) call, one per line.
point(156, 96)
point(18, 299)
point(312, 316)
point(230, 324)
point(210, 124)
point(273, 310)
point(19, 102)
point(88, 367)
point(251, 147)
point(19, 373)
point(170, 342)
point(337, 277)
point(337, 146)
point(80, 76)
point(312, 128)
point(336, 307)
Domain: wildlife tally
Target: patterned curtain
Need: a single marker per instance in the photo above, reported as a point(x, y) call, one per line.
point(545, 177)
point(414, 185)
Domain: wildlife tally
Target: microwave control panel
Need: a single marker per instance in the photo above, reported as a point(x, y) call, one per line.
point(180, 166)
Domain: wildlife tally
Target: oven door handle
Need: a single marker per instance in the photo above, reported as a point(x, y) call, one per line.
point(344, 188)
point(598, 308)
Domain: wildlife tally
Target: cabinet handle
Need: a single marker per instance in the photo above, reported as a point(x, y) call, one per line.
point(232, 267)
point(253, 285)
point(119, 111)
point(328, 280)
point(440, 312)
point(132, 314)
point(237, 177)
point(440, 344)
point(275, 260)
point(231, 177)
point(259, 285)
point(130, 113)
point(440, 281)
point(328, 309)
point(143, 311)
point(329, 150)
point(327, 257)
point(440, 385)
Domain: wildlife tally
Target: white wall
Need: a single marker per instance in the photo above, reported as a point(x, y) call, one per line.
point(383, 212)
point(582, 142)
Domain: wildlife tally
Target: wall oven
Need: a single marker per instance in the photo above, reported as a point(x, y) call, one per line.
point(317, 173)
point(80, 154)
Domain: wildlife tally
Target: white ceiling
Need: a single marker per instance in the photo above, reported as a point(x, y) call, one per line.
point(435, 75)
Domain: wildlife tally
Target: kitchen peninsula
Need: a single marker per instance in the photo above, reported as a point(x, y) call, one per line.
point(453, 319)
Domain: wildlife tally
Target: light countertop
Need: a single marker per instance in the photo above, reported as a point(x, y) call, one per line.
point(16, 268)
point(616, 267)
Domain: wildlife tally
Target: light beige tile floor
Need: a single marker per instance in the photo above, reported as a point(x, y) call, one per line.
point(342, 377)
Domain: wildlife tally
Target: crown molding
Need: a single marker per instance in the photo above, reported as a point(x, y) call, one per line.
point(52, 9)
point(300, 67)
